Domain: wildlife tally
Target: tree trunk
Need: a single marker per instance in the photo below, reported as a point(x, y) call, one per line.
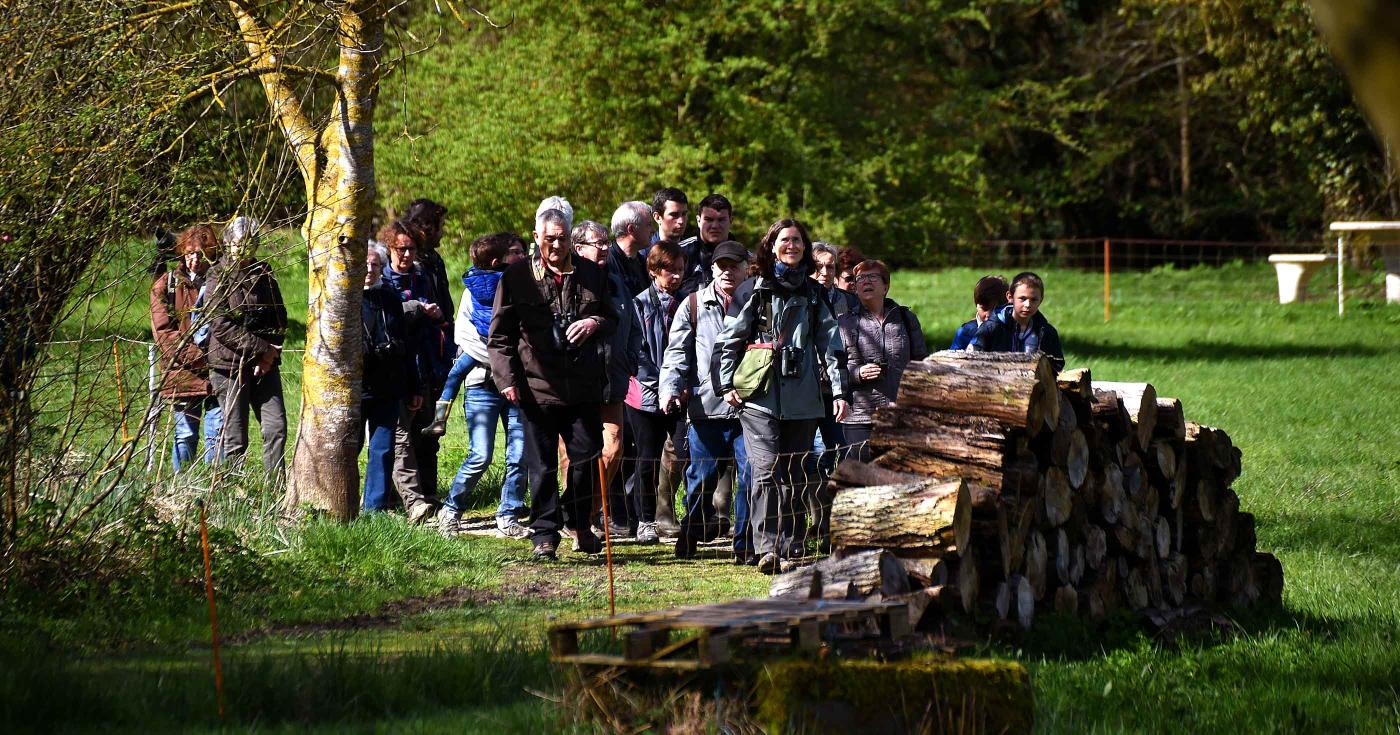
point(1017, 390)
point(871, 572)
point(340, 182)
point(1140, 399)
point(917, 518)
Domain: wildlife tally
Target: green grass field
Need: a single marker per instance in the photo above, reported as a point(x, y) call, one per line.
point(1308, 398)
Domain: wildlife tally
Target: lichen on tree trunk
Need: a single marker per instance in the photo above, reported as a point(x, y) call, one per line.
point(337, 167)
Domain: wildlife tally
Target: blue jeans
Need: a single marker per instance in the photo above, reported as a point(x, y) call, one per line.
point(483, 408)
point(381, 418)
point(714, 445)
point(456, 375)
point(188, 412)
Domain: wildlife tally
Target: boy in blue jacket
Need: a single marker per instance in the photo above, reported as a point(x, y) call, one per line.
point(489, 257)
point(1019, 326)
point(988, 295)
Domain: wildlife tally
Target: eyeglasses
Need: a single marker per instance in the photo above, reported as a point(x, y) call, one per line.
point(869, 277)
point(405, 251)
point(585, 243)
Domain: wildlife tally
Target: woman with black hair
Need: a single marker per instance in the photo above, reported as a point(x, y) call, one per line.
point(784, 315)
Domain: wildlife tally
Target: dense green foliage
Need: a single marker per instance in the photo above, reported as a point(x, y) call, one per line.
point(1308, 399)
point(898, 126)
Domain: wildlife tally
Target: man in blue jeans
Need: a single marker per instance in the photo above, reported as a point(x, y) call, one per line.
point(689, 373)
point(482, 405)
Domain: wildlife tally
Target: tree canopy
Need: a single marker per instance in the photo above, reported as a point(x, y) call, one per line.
point(899, 126)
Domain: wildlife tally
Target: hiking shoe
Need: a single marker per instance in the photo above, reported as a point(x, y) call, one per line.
point(544, 550)
point(438, 427)
point(511, 527)
point(646, 534)
point(619, 530)
point(419, 513)
point(769, 563)
point(449, 522)
point(586, 542)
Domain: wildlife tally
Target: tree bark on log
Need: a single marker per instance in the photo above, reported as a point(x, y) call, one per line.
point(1059, 499)
point(871, 572)
point(1171, 420)
point(1076, 382)
point(1140, 399)
point(1008, 387)
point(915, 518)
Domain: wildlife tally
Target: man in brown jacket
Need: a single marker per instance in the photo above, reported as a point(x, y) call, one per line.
point(248, 321)
point(551, 316)
point(184, 381)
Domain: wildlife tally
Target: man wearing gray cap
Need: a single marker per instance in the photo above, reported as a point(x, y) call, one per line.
point(690, 373)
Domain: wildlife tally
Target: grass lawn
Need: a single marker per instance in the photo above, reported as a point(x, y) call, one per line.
point(1307, 397)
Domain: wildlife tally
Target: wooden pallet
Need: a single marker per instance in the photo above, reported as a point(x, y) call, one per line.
point(710, 635)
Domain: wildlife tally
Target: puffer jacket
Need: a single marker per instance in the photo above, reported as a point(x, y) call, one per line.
point(1000, 334)
point(656, 309)
point(185, 365)
point(692, 354)
point(246, 311)
point(523, 352)
point(481, 289)
point(807, 324)
point(897, 340)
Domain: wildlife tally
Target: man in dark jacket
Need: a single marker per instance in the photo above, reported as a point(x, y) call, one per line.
point(247, 323)
point(552, 315)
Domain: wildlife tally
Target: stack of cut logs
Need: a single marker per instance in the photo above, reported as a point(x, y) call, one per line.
point(1000, 490)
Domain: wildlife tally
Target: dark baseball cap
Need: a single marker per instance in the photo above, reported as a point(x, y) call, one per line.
point(730, 250)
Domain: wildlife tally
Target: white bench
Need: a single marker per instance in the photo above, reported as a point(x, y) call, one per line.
point(1294, 270)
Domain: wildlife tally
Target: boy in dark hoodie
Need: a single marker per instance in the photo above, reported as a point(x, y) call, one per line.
point(490, 256)
point(988, 295)
point(1019, 326)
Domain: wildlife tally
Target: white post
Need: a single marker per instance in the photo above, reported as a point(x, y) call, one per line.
point(1341, 303)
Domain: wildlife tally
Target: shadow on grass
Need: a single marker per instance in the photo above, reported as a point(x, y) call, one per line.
point(332, 685)
point(1344, 534)
point(1085, 348)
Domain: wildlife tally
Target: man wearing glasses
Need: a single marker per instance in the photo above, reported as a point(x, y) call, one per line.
point(551, 322)
point(591, 242)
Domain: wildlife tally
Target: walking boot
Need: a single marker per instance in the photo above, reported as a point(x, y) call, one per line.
point(438, 427)
point(666, 512)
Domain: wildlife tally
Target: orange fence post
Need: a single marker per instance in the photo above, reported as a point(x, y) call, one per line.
point(121, 392)
point(1105, 281)
point(213, 615)
point(607, 539)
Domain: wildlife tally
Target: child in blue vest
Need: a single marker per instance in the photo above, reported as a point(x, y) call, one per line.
point(1019, 326)
point(988, 295)
point(478, 299)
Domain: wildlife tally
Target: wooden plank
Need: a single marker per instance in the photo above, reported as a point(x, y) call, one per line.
point(563, 642)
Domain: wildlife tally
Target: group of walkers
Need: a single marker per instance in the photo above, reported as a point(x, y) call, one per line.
point(620, 362)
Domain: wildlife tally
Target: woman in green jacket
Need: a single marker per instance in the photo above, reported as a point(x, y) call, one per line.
point(782, 307)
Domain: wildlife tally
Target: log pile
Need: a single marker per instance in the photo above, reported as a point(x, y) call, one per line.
point(1005, 492)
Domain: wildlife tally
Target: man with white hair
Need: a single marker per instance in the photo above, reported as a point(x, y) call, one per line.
point(551, 319)
point(632, 228)
point(248, 322)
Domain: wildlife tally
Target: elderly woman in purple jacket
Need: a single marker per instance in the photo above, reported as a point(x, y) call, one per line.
point(881, 338)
